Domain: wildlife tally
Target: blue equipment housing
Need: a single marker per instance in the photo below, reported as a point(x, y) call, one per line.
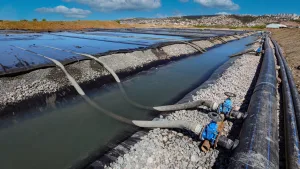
point(210, 132)
point(258, 50)
point(226, 107)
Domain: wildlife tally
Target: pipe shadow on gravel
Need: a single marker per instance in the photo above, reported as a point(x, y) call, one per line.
point(224, 156)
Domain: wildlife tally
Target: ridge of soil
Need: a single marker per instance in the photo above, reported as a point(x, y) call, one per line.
point(289, 40)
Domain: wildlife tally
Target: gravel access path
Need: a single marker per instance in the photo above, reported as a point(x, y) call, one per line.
point(163, 148)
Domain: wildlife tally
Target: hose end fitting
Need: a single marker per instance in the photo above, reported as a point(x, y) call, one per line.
point(198, 129)
point(214, 106)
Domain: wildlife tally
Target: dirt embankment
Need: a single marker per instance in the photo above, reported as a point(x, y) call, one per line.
point(59, 25)
point(289, 40)
point(41, 26)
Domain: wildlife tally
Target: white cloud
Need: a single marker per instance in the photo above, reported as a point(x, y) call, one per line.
point(223, 13)
point(112, 5)
point(221, 4)
point(67, 12)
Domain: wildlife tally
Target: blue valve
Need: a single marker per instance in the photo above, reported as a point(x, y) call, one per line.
point(211, 135)
point(258, 50)
point(210, 132)
point(226, 107)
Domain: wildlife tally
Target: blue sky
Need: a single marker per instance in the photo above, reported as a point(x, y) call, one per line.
point(117, 9)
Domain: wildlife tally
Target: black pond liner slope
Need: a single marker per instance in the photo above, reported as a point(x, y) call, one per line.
point(14, 61)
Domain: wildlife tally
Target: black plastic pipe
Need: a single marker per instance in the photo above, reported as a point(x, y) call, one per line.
point(292, 152)
point(259, 146)
point(294, 91)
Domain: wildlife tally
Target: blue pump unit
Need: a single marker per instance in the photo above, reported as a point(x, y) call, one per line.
point(226, 107)
point(210, 132)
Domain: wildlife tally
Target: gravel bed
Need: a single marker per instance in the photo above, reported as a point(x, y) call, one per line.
point(163, 148)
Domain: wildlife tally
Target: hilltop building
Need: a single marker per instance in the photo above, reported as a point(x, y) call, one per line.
point(276, 26)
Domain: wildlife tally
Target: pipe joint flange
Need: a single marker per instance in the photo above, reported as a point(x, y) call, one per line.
point(216, 117)
point(238, 115)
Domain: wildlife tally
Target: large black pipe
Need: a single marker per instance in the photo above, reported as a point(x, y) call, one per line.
point(292, 152)
point(294, 91)
point(259, 146)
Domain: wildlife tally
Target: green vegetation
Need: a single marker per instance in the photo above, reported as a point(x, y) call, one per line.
point(231, 27)
point(34, 20)
point(44, 20)
point(216, 26)
point(118, 21)
point(258, 27)
point(297, 20)
point(1, 20)
point(244, 19)
point(23, 20)
point(194, 17)
point(200, 26)
point(59, 25)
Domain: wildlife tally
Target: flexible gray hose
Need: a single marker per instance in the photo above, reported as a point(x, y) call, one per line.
point(71, 79)
point(145, 124)
point(183, 106)
point(108, 113)
point(222, 40)
point(79, 89)
point(242, 53)
point(188, 105)
point(195, 46)
point(168, 108)
point(196, 128)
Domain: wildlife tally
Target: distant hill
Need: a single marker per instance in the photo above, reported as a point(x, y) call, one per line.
point(216, 20)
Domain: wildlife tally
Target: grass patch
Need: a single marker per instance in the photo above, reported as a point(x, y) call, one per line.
point(231, 27)
point(217, 26)
point(297, 20)
point(34, 25)
point(258, 27)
